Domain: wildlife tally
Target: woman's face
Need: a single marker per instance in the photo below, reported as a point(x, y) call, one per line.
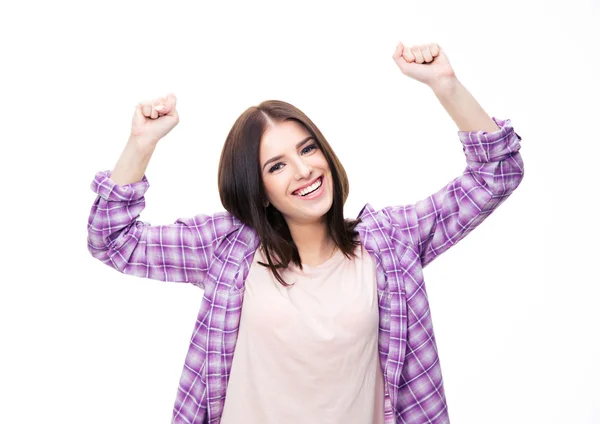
point(291, 159)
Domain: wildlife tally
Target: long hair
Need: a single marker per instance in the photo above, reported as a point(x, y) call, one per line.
point(242, 190)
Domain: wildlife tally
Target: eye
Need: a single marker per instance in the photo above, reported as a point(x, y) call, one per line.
point(275, 167)
point(306, 150)
point(311, 147)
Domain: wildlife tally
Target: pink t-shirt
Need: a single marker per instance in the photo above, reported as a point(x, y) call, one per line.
point(308, 353)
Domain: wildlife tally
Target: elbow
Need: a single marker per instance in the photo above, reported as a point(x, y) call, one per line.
point(103, 246)
point(500, 178)
point(99, 250)
point(510, 173)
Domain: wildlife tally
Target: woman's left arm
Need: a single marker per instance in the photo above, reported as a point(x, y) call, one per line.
point(494, 165)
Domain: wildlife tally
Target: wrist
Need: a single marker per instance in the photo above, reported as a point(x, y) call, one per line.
point(444, 86)
point(143, 144)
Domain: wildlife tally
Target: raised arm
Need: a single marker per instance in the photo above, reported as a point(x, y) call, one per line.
point(494, 165)
point(178, 252)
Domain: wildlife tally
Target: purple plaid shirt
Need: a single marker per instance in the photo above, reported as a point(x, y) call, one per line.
point(215, 252)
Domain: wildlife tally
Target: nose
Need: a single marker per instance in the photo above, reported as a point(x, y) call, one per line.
point(303, 170)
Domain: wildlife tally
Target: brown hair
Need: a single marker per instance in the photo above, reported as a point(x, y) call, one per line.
point(243, 194)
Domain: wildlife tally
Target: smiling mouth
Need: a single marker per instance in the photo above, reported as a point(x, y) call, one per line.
point(320, 180)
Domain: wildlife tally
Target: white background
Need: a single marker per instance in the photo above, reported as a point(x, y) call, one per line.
point(515, 304)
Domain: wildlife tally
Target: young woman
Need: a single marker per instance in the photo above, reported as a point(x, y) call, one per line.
point(306, 316)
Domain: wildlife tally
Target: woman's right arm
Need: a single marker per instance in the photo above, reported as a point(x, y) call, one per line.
point(176, 252)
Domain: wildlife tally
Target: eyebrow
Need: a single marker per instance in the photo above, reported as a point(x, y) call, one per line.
point(273, 159)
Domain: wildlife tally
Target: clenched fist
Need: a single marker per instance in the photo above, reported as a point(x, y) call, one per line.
point(153, 119)
point(426, 63)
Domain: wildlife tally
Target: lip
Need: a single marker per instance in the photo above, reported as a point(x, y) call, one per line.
point(306, 185)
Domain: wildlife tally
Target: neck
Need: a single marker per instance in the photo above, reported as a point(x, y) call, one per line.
point(314, 244)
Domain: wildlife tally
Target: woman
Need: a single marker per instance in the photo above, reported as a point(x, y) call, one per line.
point(328, 317)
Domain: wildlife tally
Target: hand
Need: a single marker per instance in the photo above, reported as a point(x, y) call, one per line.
point(154, 119)
point(426, 63)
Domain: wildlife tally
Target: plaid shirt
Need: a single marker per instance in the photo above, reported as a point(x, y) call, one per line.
point(215, 252)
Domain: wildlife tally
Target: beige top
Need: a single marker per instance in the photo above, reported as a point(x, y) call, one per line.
point(308, 353)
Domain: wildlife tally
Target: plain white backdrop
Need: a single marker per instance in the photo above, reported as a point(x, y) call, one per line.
point(514, 304)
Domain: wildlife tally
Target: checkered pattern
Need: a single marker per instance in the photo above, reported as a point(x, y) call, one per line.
point(215, 252)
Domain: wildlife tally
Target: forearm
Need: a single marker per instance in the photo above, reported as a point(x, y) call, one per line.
point(132, 164)
point(462, 107)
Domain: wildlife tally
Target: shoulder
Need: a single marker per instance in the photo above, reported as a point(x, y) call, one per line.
point(387, 217)
point(213, 227)
point(388, 226)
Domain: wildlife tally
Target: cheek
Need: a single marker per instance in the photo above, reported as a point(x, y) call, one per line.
point(323, 160)
point(274, 188)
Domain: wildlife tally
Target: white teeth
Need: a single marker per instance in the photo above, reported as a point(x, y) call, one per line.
point(310, 188)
